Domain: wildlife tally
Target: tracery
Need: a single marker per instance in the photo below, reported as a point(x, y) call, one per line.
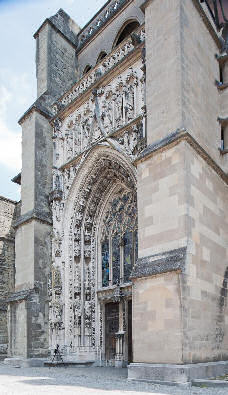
point(119, 239)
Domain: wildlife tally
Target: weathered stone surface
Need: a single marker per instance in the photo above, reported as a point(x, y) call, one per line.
point(176, 373)
point(160, 263)
point(7, 215)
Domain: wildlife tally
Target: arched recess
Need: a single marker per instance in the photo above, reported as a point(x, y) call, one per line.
point(104, 176)
point(101, 56)
point(87, 69)
point(128, 27)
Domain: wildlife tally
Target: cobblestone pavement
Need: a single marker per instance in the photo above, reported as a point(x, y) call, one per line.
point(84, 381)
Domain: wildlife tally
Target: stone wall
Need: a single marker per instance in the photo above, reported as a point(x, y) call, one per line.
point(157, 323)
point(162, 202)
point(182, 203)
point(181, 73)
point(199, 70)
point(205, 283)
point(7, 257)
point(163, 63)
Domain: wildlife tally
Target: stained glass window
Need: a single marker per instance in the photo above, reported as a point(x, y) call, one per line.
point(120, 233)
point(105, 263)
point(115, 260)
point(128, 255)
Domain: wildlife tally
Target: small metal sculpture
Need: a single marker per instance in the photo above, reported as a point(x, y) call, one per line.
point(57, 355)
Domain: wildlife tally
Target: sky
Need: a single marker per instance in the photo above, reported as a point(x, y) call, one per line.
point(19, 20)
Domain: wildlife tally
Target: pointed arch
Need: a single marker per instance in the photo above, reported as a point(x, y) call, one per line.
point(104, 175)
point(101, 56)
point(87, 69)
point(128, 27)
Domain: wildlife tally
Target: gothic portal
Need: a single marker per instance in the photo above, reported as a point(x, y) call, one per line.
point(96, 236)
point(121, 233)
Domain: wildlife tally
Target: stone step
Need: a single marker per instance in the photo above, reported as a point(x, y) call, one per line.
point(76, 364)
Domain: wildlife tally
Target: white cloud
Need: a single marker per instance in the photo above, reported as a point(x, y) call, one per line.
point(70, 2)
point(10, 141)
point(10, 148)
point(5, 97)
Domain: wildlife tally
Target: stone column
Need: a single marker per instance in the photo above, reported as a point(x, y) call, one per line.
point(29, 304)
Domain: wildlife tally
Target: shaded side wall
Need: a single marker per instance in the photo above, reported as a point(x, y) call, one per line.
point(181, 73)
point(7, 261)
point(205, 283)
point(200, 69)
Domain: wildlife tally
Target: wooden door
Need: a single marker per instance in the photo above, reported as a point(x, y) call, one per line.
point(111, 328)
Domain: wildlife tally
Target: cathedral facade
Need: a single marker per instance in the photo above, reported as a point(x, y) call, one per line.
point(121, 244)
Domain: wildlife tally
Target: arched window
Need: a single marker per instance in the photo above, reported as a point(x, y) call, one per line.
point(119, 245)
point(101, 56)
point(87, 69)
point(125, 31)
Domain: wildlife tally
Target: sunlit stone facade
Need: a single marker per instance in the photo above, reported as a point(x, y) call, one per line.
point(121, 242)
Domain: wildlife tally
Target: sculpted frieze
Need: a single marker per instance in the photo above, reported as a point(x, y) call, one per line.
point(57, 243)
point(108, 110)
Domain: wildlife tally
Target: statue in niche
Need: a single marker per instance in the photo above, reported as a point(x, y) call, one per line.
point(57, 311)
point(86, 131)
point(57, 184)
point(118, 114)
point(96, 129)
point(57, 209)
point(87, 312)
point(129, 103)
point(57, 244)
point(56, 281)
point(77, 248)
point(77, 134)
point(107, 114)
point(57, 128)
point(69, 144)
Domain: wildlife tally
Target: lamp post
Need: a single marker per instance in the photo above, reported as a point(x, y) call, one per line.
point(218, 10)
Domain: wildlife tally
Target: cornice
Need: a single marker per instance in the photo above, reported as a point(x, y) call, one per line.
point(5, 199)
point(175, 138)
point(35, 108)
point(19, 296)
point(33, 215)
point(165, 262)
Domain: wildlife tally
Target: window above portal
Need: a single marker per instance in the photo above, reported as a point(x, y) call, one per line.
point(119, 243)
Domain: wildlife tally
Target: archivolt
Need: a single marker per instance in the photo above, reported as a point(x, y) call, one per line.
point(101, 172)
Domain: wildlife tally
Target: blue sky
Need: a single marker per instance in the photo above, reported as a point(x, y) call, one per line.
point(19, 19)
